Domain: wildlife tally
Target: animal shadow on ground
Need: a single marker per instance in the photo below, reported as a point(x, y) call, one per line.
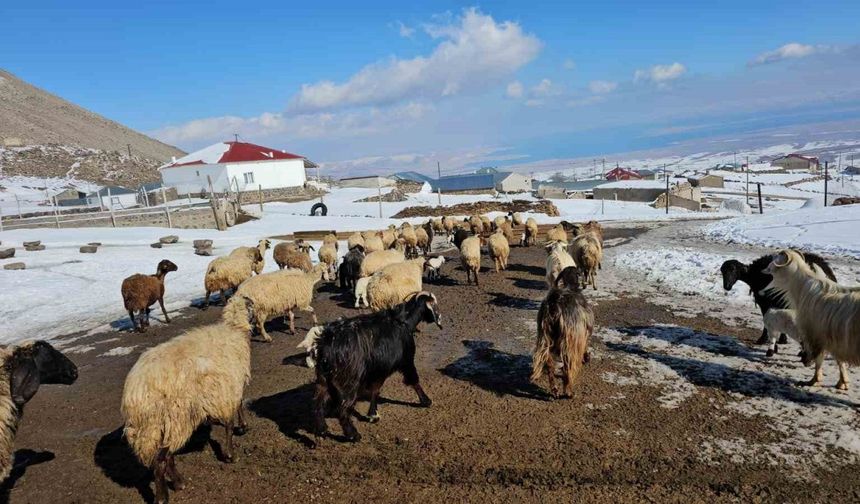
point(118, 462)
point(526, 283)
point(532, 270)
point(22, 460)
point(290, 410)
point(495, 371)
point(711, 343)
point(508, 301)
point(741, 381)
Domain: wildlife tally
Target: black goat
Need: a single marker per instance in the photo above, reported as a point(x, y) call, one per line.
point(753, 275)
point(358, 354)
point(460, 235)
point(350, 268)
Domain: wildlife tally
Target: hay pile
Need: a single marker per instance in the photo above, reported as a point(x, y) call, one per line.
point(480, 207)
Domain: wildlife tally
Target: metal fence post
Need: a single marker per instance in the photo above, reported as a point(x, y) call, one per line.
point(760, 207)
point(261, 197)
point(1, 218)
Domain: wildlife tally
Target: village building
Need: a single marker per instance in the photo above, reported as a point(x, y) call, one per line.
point(507, 182)
point(235, 167)
point(706, 180)
point(113, 197)
point(367, 181)
point(619, 173)
point(796, 162)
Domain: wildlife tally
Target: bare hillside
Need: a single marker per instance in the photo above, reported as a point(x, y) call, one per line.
point(43, 135)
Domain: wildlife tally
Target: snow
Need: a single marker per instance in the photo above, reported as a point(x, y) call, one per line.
point(827, 230)
point(686, 271)
point(809, 422)
point(32, 194)
point(208, 155)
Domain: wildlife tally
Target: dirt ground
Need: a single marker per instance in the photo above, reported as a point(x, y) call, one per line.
point(490, 435)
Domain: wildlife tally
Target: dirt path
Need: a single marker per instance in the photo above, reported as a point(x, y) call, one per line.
point(665, 412)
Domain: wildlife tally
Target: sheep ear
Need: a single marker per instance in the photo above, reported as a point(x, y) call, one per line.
point(25, 381)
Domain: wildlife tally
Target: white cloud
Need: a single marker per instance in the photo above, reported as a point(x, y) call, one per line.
point(533, 102)
point(543, 88)
point(475, 52)
point(602, 86)
point(366, 121)
point(789, 51)
point(660, 74)
point(569, 64)
point(588, 100)
point(514, 90)
point(404, 30)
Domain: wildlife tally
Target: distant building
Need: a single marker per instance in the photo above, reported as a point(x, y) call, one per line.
point(619, 173)
point(796, 162)
point(235, 166)
point(557, 190)
point(483, 182)
point(113, 197)
point(647, 174)
point(70, 194)
point(851, 170)
point(367, 181)
point(706, 180)
point(486, 169)
point(644, 191)
point(411, 176)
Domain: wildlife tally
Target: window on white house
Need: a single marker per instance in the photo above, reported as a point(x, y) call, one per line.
point(249, 178)
point(198, 173)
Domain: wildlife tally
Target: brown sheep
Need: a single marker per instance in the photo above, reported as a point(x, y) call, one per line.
point(139, 292)
point(289, 255)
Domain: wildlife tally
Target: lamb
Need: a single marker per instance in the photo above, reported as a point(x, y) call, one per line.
point(309, 344)
point(827, 314)
point(389, 236)
point(290, 255)
point(197, 377)
point(225, 273)
point(331, 239)
point(394, 283)
point(281, 292)
point(24, 368)
point(433, 267)
point(354, 240)
point(498, 222)
point(779, 321)
point(262, 246)
point(754, 276)
point(375, 261)
point(499, 249)
point(361, 292)
point(486, 223)
point(476, 225)
point(587, 253)
point(328, 256)
point(139, 292)
point(372, 244)
point(470, 256)
point(565, 323)
point(557, 260)
point(360, 353)
point(438, 226)
point(424, 240)
point(516, 218)
point(350, 268)
point(507, 230)
point(556, 234)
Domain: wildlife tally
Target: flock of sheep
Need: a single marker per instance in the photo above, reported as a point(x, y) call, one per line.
point(200, 376)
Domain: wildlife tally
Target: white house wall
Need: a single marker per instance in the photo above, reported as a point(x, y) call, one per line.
point(192, 178)
point(268, 174)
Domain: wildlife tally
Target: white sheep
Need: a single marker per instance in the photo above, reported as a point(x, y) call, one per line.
point(281, 292)
point(178, 385)
point(225, 273)
point(827, 315)
point(433, 267)
point(470, 256)
point(309, 344)
point(588, 254)
point(330, 239)
point(530, 235)
point(556, 260)
point(354, 239)
point(328, 255)
point(499, 249)
point(361, 291)
point(394, 284)
point(373, 243)
point(556, 234)
point(262, 246)
point(375, 261)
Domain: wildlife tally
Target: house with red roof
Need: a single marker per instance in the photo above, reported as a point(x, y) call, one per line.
point(235, 166)
point(619, 173)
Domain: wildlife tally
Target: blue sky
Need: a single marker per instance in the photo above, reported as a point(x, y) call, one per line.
point(360, 85)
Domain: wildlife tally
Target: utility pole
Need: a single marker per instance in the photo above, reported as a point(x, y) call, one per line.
point(236, 137)
point(825, 183)
point(603, 173)
point(666, 174)
point(379, 195)
point(438, 176)
point(748, 180)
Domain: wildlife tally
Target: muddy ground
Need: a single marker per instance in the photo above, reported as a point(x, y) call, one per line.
point(490, 435)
